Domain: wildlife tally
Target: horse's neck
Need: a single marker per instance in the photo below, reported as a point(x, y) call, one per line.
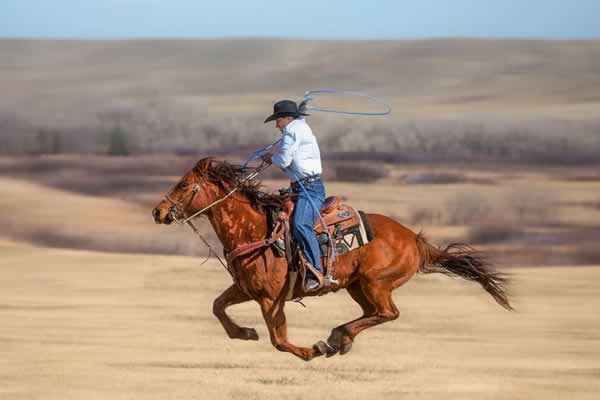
point(236, 222)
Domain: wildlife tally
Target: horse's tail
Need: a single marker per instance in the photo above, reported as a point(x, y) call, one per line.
point(461, 260)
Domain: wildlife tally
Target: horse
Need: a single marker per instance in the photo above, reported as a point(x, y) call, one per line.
point(236, 208)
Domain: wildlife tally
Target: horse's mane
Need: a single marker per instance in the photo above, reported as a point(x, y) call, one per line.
point(228, 176)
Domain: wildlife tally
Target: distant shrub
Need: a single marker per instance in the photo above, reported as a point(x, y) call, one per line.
point(492, 233)
point(48, 142)
point(425, 216)
point(363, 173)
point(433, 179)
point(467, 209)
point(56, 145)
point(118, 144)
point(531, 206)
point(521, 207)
point(583, 178)
point(589, 254)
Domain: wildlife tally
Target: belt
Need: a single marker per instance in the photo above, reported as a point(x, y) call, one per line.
point(309, 179)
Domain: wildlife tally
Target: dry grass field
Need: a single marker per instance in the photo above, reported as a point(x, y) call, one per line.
point(522, 215)
point(85, 325)
point(104, 324)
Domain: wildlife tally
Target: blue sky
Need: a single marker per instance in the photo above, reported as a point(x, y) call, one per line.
point(367, 19)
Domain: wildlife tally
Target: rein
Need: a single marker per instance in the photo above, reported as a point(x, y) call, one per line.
point(180, 212)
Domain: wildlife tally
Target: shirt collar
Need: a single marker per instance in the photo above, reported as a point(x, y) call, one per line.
point(288, 125)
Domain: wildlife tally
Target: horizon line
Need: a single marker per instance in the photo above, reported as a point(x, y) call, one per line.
point(299, 38)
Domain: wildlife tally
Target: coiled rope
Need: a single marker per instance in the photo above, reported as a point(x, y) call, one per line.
point(308, 97)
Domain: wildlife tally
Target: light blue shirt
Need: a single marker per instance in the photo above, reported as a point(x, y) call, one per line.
point(299, 154)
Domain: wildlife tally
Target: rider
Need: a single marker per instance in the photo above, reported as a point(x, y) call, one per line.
point(300, 159)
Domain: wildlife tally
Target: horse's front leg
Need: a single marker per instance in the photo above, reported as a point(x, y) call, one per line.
point(233, 295)
point(276, 324)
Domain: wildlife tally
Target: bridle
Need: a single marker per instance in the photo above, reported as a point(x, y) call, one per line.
point(177, 211)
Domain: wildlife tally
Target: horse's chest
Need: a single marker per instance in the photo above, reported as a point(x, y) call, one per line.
point(257, 279)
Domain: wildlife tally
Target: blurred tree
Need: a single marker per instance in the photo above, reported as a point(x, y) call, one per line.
point(118, 144)
point(56, 146)
point(42, 142)
point(48, 142)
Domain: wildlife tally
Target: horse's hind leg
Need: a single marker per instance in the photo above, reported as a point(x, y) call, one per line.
point(276, 323)
point(378, 307)
point(340, 340)
point(357, 294)
point(233, 295)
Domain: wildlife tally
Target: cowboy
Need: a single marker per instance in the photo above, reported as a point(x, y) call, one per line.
point(300, 159)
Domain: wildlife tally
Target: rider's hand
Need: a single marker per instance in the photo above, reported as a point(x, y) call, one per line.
point(267, 157)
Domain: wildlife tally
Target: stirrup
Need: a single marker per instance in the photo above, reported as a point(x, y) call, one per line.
point(331, 281)
point(321, 284)
point(323, 281)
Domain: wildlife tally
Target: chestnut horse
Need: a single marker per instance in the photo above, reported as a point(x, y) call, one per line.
point(368, 273)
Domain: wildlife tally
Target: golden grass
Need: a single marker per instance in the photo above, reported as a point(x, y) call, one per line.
point(62, 219)
point(77, 324)
point(83, 324)
point(525, 197)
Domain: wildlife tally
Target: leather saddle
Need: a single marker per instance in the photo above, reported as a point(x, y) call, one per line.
point(344, 230)
point(335, 214)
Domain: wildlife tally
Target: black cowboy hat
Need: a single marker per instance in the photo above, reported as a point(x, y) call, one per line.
point(285, 108)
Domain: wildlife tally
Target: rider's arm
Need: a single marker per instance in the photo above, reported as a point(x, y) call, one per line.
point(289, 145)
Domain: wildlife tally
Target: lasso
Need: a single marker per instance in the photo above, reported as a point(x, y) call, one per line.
point(308, 97)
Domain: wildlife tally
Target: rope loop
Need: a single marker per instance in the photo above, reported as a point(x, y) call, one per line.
point(308, 97)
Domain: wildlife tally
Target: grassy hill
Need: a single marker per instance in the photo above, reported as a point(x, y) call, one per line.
point(177, 94)
point(464, 71)
point(57, 218)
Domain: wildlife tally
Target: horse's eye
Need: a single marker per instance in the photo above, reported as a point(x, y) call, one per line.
point(183, 185)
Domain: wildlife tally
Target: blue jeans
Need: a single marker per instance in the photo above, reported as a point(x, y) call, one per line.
point(304, 220)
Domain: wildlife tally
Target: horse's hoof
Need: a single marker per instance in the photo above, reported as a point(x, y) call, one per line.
point(346, 348)
point(335, 339)
point(321, 347)
point(248, 334)
point(333, 348)
point(331, 353)
point(324, 348)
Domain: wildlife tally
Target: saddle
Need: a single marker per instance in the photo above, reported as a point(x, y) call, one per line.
point(340, 229)
point(345, 229)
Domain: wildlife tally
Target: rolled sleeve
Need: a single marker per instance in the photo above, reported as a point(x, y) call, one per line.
point(284, 157)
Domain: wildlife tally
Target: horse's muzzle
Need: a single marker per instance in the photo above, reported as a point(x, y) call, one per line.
point(156, 215)
point(169, 218)
point(159, 219)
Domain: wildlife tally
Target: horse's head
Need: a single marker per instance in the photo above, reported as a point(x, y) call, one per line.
point(207, 184)
point(192, 193)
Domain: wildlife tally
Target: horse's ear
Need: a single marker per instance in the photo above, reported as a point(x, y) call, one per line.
point(203, 165)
